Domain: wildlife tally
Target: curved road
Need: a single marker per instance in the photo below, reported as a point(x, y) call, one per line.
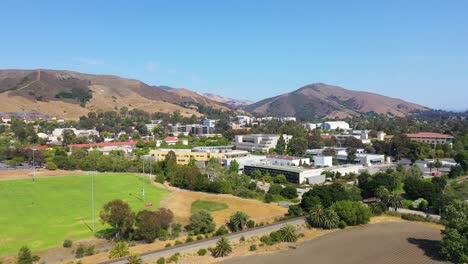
point(189, 247)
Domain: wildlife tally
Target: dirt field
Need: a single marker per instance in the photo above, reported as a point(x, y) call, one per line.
point(380, 243)
point(180, 202)
point(27, 174)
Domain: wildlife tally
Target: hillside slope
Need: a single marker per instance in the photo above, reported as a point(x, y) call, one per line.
point(322, 100)
point(228, 101)
point(61, 93)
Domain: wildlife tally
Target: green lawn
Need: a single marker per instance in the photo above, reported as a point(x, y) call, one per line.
point(207, 206)
point(42, 214)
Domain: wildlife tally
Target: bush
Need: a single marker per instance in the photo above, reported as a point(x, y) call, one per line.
point(242, 239)
point(89, 251)
point(161, 260)
point(393, 213)
point(250, 224)
point(342, 224)
point(189, 239)
point(168, 245)
point(199, 237)
point(160, 178)
point(67, 243)
point(222, 230)
point(413, 217)
point(406, 203)
point(80, 251)
point(177, 242)
point(267, 240)
point(173, 259)
point(202, 252)
point(51, 165)
point(253, 247)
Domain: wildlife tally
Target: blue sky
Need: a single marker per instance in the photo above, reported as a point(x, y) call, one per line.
point(414, 50)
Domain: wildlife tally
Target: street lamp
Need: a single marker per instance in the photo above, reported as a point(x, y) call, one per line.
point(34, 165)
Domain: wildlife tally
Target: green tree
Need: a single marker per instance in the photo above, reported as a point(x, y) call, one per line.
point(352, 213)
point(223, 248)
point(395, 201)
point(68, 137)
point(454, 244)
point(297, 146)
point(201, 222)
point(119, 215)
point(238, 221)
point(233, 167)
point(289, 192)
point(430, 165)
point(325, 218)
point(120, 249)
point(148, 224)
point(280, 145)
point(24, 256)
point(437, 164)
point(280, 179)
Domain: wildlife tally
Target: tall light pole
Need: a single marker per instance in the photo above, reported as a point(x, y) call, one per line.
point(143, 181)
point(34, 165)
point(92, 199)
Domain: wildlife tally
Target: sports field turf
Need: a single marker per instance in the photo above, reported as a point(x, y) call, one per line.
point(43, 214)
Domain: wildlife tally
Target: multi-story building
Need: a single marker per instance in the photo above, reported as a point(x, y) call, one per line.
point(201, 155)
point(258, 142)
point(431, 138)
point(283, 160)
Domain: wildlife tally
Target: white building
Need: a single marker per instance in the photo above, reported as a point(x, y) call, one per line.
point(431, 138)
point(311, 126)
point(381, 135)
point(323, 161)
point(209, 122)
point(282, 160)
point(334, 125)
point(244, 120)
point(258, 142)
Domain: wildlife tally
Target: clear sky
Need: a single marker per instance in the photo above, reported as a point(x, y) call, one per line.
point(251, 49)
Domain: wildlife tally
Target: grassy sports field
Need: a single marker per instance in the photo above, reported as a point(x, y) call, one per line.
point(43, 214)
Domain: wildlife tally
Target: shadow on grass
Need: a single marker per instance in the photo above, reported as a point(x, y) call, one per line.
point(107, 233)
point(430, 247)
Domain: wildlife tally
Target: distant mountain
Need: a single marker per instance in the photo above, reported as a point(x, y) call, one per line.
point(228, 101)
point(61, 93)
point(322, 100)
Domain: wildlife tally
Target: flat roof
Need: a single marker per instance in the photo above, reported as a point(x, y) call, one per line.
point(428, 135)
point(276, 167)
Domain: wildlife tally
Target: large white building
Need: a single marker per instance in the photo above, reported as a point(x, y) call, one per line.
point(323, 161)
point(431, 138)
point(258, 142)
point(334, 125)
point(283, 160)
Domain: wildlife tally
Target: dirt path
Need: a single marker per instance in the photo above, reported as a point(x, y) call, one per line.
point(38, 77)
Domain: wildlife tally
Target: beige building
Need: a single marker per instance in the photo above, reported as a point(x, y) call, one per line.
point(201, 155)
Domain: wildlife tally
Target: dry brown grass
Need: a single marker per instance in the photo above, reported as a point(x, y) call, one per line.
point(40, 173)
point(180, 202)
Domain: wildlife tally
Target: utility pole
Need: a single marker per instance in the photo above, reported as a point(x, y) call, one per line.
point(92, 198)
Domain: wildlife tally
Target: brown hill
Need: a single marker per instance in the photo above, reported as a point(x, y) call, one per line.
point(322, 100)
point(61, 93)
point(228, 101)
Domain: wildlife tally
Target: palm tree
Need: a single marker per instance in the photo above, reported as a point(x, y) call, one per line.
point(238, 221)
point(223, 248)
point(331, 219)
point(288, 233)
point(437, 164)
point(430, 165)
point(382, 193)
point(395, 201)
point(134, 259)
point(119, 250)
point(316, 217)
point(325, 218)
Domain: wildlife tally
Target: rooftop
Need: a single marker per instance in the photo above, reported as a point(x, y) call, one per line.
point(283, 157)
point(103, 144)
point(428, 135)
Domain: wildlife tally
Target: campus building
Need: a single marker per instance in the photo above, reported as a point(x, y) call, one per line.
point(201, 155)
point(431, 138)
point(258, 142)
point(283, 160)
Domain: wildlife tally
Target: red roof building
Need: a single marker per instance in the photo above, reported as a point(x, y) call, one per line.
point(171, 140)
point(104, 144)
point(431, 138)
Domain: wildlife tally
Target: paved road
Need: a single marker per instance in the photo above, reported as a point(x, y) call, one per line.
point(193, 246)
